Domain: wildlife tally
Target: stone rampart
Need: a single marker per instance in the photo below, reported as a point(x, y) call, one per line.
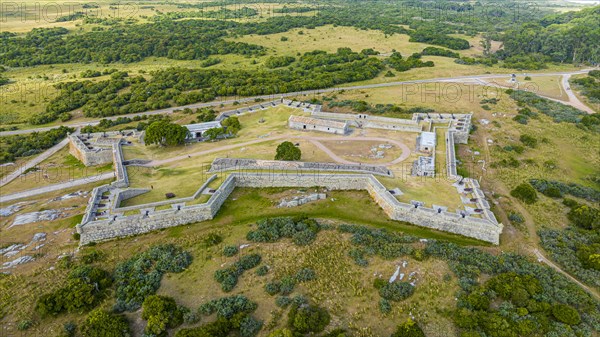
point(242, 164)
point(479, 228)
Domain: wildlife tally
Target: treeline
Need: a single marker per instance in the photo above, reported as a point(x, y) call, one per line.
point(180, 40)
point(570, 37)
point(180, 86)
point(432, 37)
point(27, 145)
point(414, 61)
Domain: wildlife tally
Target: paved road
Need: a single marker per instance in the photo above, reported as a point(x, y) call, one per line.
point(56, 187)
point(315, 140)
point(301, 93)
point(573, 99)
point(32, 163)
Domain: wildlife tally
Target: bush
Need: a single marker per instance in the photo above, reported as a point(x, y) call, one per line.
point(396, 291)
point(287, 285)
point(70, 329)
point(250, 326)
point(585, 217)
point(262, 270)
point(84, 289)
point(385, 306)
point(273, 229)
point(139, 276)
point(228, 277)
point(528, 140)
point(230, 251)
point(305, 275)
point(103, 324)
point(283, 301)
point(212, 239)
point(24, 325)
point(307, 319)
point(162, 313)
point(272, 288)
point(525, 193)
point(379, 283)
point(573, 189)
point(227, 307)
point(566, 314)
point(408, 329)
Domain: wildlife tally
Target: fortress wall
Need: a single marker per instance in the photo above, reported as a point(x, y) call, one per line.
point(482, 229)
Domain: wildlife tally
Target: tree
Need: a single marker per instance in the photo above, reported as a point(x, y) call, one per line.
point(232, 125)
point(287, 151)
point(525, 193)
point(162, 313)
point(100, 323)
point(165, 133)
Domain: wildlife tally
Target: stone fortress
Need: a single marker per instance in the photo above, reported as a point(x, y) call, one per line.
point(105, 219)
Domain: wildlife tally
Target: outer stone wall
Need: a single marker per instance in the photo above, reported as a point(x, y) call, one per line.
point(480, 228)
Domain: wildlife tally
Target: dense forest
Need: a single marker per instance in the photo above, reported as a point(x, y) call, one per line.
point(567, 38)
point(198, 39)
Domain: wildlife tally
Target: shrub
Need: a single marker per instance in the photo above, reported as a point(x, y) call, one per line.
point(212, 239)
point(287, 285)
point(70, 329)
point(228, 307)
point(273, 288)
point(24, 324)
point(230, 250)
point(566, 314)
point(408, 329)
point(385, 306)
point(250, 326)
point(305, 275)
point(307, 319)
point(162, 313)
point(379, 283)
point(525, 193)
point(273, 229)
point(585, 217)
point(103, 324)
point(573, 189)
point(262, 270)
point(552, 192)
point(283, 301)
point(528, 140)
point(84, 289)
point(139, 276)
point(396, 291)
point(228, 277)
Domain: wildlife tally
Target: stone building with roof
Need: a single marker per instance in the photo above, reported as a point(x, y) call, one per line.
point(314, 124)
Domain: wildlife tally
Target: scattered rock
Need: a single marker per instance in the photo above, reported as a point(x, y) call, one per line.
point(27, 218)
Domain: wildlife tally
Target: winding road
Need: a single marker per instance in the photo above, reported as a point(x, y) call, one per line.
point(458, 79)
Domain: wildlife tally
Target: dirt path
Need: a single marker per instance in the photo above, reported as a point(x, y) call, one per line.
point(532, 244)
point(314, 140)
